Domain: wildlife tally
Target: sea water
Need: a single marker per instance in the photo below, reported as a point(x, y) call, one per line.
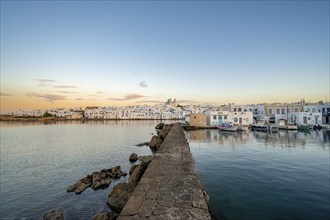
point(256, 175)
point(248, 175)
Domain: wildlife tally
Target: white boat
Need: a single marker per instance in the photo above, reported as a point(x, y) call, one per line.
point(260, 126)
point(273, 128)
point(283, 125)
point(227, 127)
point(242, 128)
point(263, 126)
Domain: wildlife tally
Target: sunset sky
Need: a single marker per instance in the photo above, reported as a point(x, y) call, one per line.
point(114, 53)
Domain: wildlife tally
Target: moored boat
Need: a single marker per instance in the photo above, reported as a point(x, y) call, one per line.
point(227, 127)
point(304, 127)
point(242, 128)
point(259, 127)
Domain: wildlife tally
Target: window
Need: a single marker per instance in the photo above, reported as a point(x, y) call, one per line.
point(214, 117)
point(225, 117)
point(313, 110)
point(270, 111)
point(288, 110)
point(194, 117)
point(308, 110)
point(235, 119)
point(309, 118)
point(323, 110)
point(305, 120)
point(234, 109)
point(239, 109)
point(296, 109)
point(278, 111)
point(283, 111)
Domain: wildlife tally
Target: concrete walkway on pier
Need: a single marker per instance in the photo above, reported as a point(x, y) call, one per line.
point(169, 188)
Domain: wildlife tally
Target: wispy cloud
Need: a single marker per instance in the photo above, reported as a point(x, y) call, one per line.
point(127, 97)
point(47, 97)
point(79, 99)
point(66, 92)
point(4, 94)
point(143, 84)
point(66, 87)
point(134, 74)
point(45, 82)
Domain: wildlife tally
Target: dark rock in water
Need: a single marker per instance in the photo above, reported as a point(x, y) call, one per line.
point(83, 184)
point(134, 157)
point(137, 173)
point(54, 215)
point(105, 216)
point(71, 188)
point(119, 196)
point(143, 144)
point(155, 143)
point(146, 159)
point(159, 126)
point(132, 168)
point(101, 179)
point(163, 133)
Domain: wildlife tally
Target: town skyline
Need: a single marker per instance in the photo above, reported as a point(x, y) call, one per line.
point(129, 53)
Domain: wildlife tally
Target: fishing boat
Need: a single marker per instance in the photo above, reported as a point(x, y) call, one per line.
point(273, 128)
point(242, 128)
point(259, 127)
point(283, 125)
point(227, 127)
point(304, 127)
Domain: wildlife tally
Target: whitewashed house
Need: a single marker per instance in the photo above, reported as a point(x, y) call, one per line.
point(305, 118)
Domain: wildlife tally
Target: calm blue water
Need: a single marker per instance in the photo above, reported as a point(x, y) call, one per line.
point(247, 175)
point(254, 175)
point(39, 161)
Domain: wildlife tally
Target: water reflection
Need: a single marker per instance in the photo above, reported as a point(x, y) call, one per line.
point(257, 175)
point(281, 138)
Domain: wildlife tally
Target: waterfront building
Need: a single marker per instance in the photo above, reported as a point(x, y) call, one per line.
point(321, 107)
point(198, 120)
point(305, 118)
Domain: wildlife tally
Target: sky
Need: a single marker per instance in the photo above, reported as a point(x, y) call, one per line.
point(118, 53)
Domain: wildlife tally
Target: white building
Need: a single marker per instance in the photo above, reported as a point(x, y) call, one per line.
point(216, 118)
point(305, 118)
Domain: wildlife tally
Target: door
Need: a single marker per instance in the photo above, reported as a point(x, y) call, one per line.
point(219, 119)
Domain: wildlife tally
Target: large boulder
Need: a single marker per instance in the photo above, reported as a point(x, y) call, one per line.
point(133, 168)
point(159, 126)
point(105, 216)
point(119, 196)
point(146, 159)
point(155, 143)
point(137, 173)
point(54, 215)
point(134, 157)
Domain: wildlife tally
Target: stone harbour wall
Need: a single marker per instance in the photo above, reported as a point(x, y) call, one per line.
point(169, 188)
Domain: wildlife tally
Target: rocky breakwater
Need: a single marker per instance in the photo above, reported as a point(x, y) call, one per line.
point(122, 192)
point(169, 187)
